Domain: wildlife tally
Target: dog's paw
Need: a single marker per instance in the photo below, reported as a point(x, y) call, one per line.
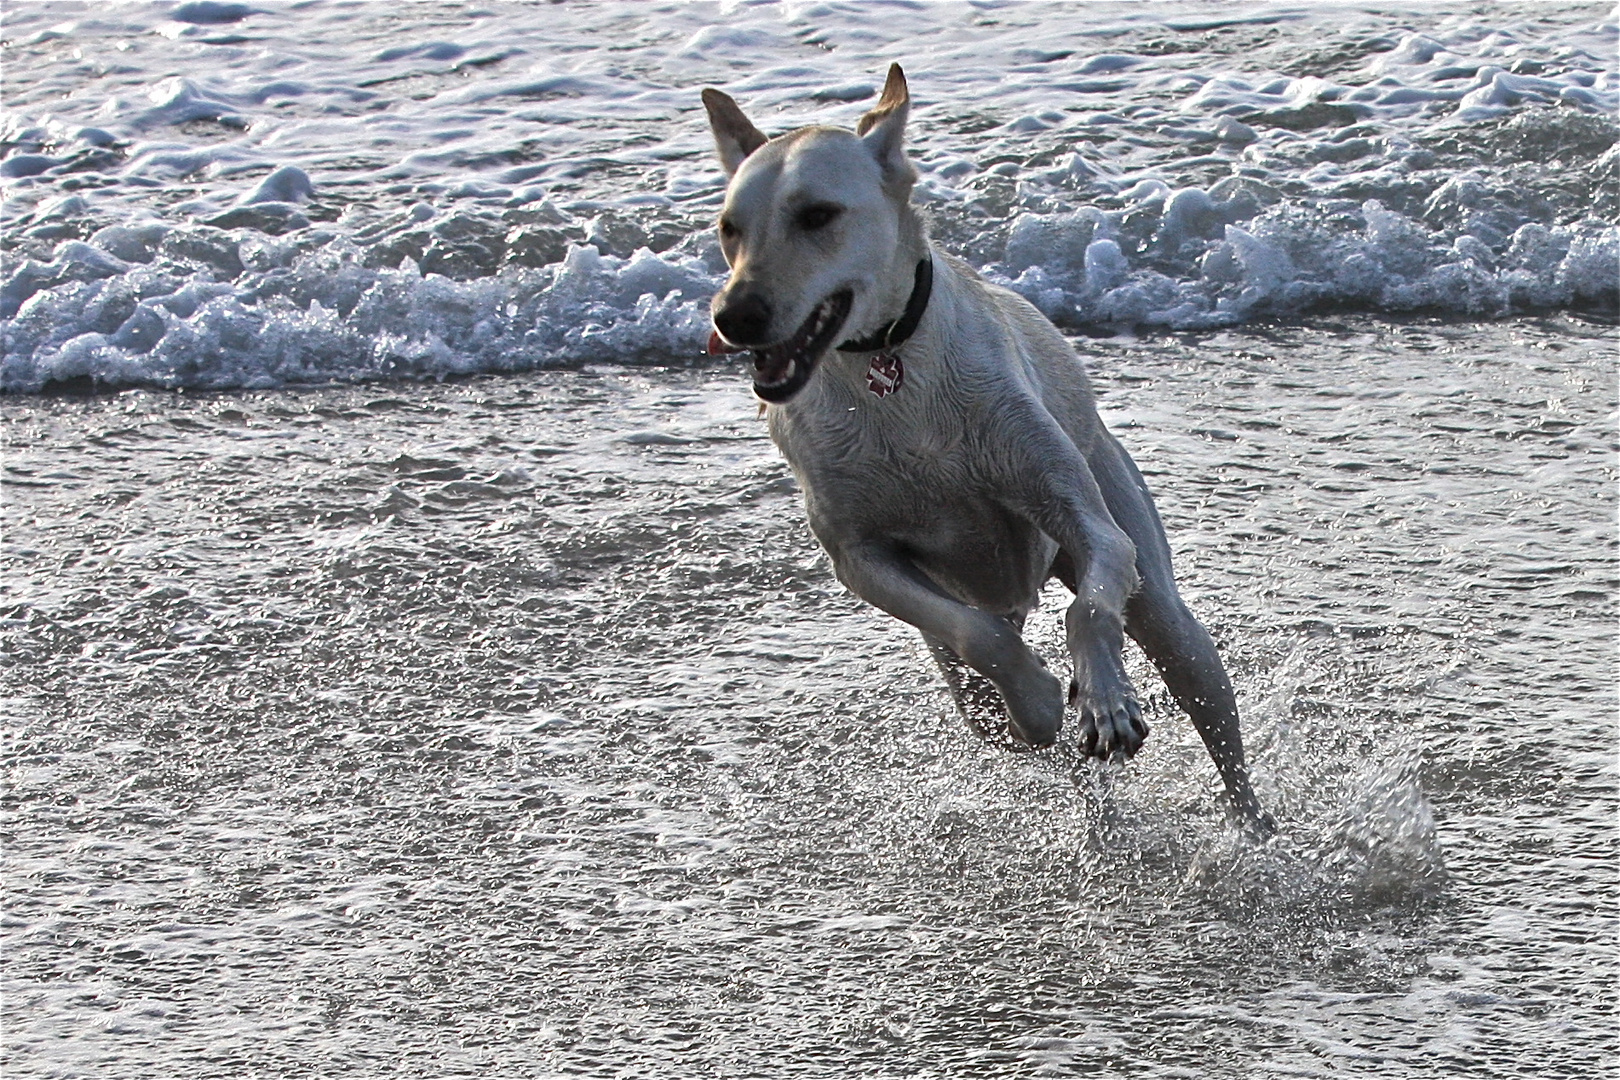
point(1035, 708)
point(1111, 724)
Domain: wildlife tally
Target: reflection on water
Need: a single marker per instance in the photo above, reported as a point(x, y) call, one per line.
point(517, 727)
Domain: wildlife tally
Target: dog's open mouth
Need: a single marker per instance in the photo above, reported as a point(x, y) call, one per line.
point(781, 370)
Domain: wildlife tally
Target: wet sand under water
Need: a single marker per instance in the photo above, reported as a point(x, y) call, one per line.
point(517, 727)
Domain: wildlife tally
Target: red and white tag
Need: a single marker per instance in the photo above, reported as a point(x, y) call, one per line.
point(885, 374)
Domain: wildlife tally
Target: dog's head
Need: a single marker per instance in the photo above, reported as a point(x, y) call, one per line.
point(810, 229)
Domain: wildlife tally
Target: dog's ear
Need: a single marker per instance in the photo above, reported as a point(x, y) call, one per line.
point(734, 136)
point(883, 129)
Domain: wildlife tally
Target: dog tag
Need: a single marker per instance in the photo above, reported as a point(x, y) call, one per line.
point(885, 374)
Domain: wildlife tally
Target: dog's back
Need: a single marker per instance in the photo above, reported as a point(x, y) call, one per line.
point(1058, 376)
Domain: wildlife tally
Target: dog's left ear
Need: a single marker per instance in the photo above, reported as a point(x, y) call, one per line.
point(734, 135)
point(883, 129)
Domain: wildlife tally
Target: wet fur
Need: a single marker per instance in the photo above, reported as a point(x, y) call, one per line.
point(949, 503)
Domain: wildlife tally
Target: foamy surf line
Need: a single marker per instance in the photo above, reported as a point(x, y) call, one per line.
point(218, 195)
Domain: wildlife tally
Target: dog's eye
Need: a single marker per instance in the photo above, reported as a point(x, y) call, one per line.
point(818, 216)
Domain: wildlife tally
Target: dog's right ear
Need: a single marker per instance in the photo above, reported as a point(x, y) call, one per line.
point(734, 136)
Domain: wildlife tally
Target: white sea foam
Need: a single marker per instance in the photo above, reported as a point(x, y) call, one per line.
point(224, 195)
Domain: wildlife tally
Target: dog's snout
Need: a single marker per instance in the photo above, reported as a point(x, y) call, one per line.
point(744, 319)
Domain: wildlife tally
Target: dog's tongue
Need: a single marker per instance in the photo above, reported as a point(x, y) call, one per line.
point(717, 345)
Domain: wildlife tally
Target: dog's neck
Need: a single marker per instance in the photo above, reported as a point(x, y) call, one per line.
point(900, 275)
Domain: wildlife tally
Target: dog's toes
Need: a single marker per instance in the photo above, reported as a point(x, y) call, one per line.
point(1110, 717)
point(1125, 741)
point(1113, 733)
point(1138, 723)
point(1092, 744)
point(1132, 727)
point(1107, 736)
point(1086, 734)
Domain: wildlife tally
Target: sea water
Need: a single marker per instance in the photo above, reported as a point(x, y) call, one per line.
point(516, 727)
point(228, 195)
point(507, 722)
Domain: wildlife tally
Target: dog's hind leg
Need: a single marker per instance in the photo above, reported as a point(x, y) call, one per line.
point(1172, 638)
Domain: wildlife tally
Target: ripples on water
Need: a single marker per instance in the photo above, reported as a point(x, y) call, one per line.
point(517, 728)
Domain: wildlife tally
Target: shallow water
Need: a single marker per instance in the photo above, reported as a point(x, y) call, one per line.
point(516, 727)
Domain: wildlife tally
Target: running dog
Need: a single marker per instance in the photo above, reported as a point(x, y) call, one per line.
point(947, 442)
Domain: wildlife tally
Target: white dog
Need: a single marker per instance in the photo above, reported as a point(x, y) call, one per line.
point(947, 441)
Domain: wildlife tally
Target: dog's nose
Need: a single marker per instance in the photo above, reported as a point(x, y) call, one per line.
point(745, 319)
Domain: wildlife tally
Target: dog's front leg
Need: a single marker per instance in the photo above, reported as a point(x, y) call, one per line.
point(987, 643)
point(1055, 490)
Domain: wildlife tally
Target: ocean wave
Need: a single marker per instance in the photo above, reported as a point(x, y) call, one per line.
point(230, 228)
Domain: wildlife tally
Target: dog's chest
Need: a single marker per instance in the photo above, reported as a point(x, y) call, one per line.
point(923, 490)
point(894, 469)
point(885, 447)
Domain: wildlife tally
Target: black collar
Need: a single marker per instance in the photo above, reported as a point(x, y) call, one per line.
point(887, 337)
